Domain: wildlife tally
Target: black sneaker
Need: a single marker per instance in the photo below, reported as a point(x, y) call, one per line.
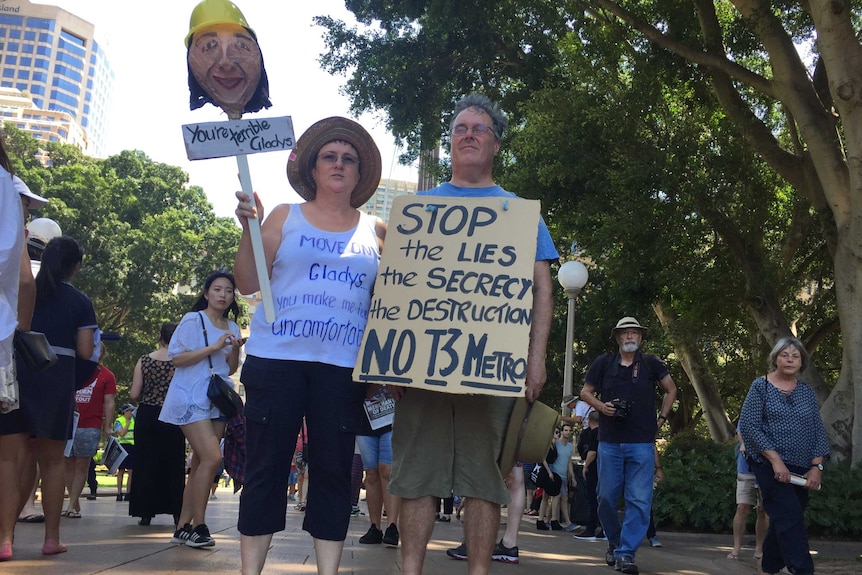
point(626, 564)
point(200, 537)
point(541, 525)
point(609, 555)
point(555, 526)
point(459, 552)
point(181, 535)
point(586, 536)
point(505, 554)
point(91, 497)
point(391, 536)
point(372, 536)
point(119, 496)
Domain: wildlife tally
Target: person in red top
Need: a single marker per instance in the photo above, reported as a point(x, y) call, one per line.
point(95, 405)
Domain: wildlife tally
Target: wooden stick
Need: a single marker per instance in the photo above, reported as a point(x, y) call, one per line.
point(256, 242)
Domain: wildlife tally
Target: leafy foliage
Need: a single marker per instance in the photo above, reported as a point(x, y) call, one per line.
point(146, 234)
point(699, 492)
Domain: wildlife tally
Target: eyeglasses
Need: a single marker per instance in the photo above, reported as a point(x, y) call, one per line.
point(629, 331)
point(477, 130)
point(332, 158)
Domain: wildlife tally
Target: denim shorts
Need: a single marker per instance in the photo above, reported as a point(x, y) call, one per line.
point(375, 450)
point(86, 441)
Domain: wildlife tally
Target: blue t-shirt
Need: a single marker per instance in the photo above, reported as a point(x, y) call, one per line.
point(545, 249)
point(634, 383)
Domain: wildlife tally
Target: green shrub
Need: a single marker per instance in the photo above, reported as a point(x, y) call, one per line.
point(834, 511)
point(699, 492)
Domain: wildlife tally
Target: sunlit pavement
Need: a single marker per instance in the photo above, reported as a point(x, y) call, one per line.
point(107, 541)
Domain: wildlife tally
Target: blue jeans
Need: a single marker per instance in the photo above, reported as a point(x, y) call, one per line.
point(625, 469)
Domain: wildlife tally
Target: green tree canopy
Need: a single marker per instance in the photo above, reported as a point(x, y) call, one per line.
point(149, 239)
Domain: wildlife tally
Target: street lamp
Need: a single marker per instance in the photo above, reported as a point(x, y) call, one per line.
point(573, 277)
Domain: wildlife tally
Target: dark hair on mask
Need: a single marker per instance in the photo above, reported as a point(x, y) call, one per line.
point(202, 303)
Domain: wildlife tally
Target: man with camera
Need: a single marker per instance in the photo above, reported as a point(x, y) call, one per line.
point(624, 382)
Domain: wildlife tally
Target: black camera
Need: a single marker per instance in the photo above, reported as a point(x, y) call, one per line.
point(623, 408)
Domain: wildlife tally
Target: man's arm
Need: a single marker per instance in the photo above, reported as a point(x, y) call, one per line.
point(108, 414)
point(540, 327)
point(669, 388)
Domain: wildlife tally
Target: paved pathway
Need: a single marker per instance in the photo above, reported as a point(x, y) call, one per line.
point(106, 541)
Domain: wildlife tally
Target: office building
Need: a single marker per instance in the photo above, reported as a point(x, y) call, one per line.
point(50, 56)
point(380, 204)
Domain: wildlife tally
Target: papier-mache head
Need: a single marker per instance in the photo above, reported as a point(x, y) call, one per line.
point(225, 63)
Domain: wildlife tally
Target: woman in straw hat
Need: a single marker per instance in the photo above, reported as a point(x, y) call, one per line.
point(322, 258)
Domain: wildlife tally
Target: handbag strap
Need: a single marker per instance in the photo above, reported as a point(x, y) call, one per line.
point(206, 340)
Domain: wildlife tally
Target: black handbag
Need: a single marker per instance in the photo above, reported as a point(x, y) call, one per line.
point(33, 349)
point(220, 390)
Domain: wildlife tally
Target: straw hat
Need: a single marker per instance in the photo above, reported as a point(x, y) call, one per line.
point(529, 434)
point(628, 323)
point(302, 159)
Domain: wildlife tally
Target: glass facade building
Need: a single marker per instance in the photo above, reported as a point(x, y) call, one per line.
point(51, 56)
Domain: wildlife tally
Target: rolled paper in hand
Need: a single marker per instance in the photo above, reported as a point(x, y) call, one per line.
point(800, 480)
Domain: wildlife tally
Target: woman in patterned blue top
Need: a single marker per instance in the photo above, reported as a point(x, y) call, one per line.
point(784, 436)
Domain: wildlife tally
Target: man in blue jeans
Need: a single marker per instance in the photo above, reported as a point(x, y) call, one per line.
point(624, 382)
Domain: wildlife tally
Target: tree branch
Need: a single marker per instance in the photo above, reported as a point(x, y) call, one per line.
point(693, 54)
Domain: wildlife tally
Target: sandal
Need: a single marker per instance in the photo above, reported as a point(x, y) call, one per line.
point(71, 514)
point(732, 555)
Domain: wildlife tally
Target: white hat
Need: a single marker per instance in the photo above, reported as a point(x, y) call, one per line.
point(628, 322)
point(36, 202)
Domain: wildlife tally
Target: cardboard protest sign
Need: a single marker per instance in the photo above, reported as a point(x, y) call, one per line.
point(453, 300)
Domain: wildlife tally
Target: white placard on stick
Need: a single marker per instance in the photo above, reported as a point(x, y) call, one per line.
point(453, 300)
point(238, 137)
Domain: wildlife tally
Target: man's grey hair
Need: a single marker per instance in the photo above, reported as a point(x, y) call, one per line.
point(483, 103)
point(784, 343)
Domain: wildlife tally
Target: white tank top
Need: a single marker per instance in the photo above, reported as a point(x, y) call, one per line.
point(321, 286)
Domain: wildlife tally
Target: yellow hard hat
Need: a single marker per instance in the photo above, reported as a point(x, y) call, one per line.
point(210, 12)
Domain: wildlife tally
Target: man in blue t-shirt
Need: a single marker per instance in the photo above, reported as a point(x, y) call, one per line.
point(625, 383)
point(466, 429)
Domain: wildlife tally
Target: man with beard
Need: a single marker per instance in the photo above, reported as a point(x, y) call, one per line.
point(624, 382)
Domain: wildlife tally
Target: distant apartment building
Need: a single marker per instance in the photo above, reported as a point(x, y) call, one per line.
point(61, 75)
point(380, 204)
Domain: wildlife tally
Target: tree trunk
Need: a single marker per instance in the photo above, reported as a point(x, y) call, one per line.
point(428, 160)
point(692, 361)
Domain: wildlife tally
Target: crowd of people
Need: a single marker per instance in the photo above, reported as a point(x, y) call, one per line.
point(304, 416)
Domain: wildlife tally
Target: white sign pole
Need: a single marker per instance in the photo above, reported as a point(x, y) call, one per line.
point(256, 242)
point(239, 138)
